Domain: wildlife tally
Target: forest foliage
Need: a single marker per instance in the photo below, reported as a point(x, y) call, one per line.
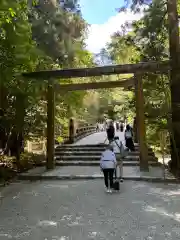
point(38, 35)
point(142, 41)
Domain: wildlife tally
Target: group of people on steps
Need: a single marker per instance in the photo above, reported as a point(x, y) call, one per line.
point(114, 154)
point(128, 135)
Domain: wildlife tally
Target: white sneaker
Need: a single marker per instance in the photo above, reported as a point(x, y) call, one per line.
point(105, 188)
point(109, 190)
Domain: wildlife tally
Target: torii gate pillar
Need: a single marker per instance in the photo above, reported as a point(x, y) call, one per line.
point(135, 130)
point(140, 122)
point(50, 163)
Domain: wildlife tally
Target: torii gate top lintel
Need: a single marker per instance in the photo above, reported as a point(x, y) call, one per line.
point(143, 67)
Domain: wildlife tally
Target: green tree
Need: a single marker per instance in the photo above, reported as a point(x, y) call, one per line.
point(168, 11)
point(148, 41)
point(32, 39)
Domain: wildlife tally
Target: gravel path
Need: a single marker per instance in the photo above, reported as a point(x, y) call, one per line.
point(81, 210)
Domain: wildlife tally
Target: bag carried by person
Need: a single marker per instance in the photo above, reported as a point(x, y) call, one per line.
point(116, 184)
point(121, 147)
point(128, 134)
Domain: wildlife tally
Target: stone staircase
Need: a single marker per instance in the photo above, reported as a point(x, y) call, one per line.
point(89, 155)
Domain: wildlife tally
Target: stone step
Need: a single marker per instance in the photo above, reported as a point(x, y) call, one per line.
point(77, 146)
point(102, 143)
point(97, 152)
point(97, 158)
point(95, 163)
point(93, 177)
point(80, 149)
point(84, 146)
point(88, 145)
point(87, 149)
point(100, 146)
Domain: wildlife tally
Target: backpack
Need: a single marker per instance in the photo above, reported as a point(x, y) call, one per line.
point(121, 148)
point(128, 134)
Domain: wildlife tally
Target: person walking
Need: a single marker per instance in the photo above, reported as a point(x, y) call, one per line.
point(119, 151)
point(129, 138)
point(121, 127)
point(110, 132)
point(117, 126)
point(108, 165)
point(97, 127)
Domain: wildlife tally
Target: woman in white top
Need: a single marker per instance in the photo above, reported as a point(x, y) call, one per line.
point(108, 165)
point(120, 154)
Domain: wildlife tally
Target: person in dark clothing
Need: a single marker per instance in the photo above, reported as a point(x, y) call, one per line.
point(129, 138)
point(110, 132)
point(121, 127)
point(117, 126)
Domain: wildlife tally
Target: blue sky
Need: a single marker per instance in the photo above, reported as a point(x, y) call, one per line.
point(105, 20)
point(99, 11)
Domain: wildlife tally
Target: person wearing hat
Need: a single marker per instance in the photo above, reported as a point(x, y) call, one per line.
point(108, 165)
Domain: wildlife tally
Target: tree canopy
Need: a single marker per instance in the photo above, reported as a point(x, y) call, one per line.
point(37, 35)
point(147, 41)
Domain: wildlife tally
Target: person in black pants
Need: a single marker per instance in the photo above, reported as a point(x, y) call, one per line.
point(108, 165)
point(108, 178)
point(121, 127)
point(129, 138)
point(110, 132)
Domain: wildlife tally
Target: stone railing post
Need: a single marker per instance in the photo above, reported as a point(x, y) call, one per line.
point(71, 130)
point(135, 130)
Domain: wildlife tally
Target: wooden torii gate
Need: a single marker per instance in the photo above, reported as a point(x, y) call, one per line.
point(136, 69)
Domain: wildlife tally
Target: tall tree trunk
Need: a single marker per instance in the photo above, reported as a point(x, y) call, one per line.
point(50, 163)
point(3, 107)
point(17, 138)
point(174, 80)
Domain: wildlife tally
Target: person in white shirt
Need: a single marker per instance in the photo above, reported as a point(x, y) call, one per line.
point(120, 153)
point(108, 166)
